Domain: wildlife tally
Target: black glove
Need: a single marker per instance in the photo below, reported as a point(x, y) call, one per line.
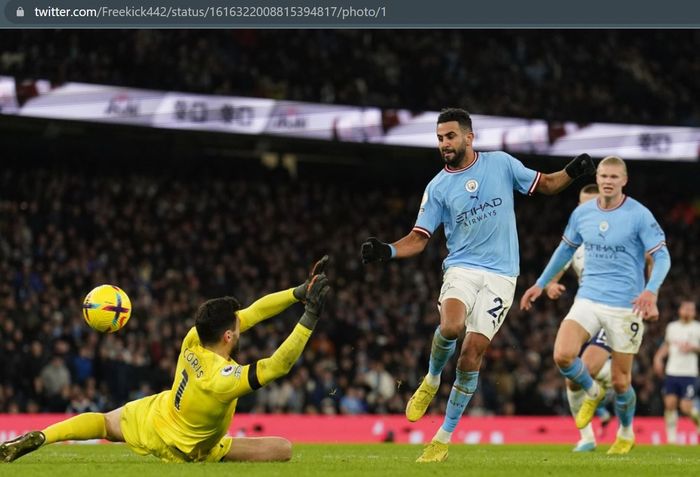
point(319, 267)
point(581, 165)
point(315, 300)
point(374, 250)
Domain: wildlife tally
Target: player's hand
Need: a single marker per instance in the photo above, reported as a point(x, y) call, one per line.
point(529, 297)
point(318, 268)
point(554, 290)
point(645, 306)
point(316, 295)
point(581, 165)
point(374, 250)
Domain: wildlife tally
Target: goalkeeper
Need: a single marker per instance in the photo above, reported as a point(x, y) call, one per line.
point(188, 423)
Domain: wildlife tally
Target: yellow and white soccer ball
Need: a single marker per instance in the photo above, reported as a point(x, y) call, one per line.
point(106, 308)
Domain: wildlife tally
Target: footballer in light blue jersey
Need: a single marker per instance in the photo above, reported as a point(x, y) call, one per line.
point(475, 205)
point(616, 231)
point(615, 241)
point(472, 197)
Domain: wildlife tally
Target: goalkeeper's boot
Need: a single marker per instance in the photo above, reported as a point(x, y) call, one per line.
point(420, 401)
point(434, 452)
point(588, 407)
point(621, 446)
point(24, 444)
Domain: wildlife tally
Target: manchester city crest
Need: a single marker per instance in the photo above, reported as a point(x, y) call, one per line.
point(472, 185)
point(603, 226)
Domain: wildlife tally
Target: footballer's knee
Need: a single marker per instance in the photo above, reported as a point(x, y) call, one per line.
point(621, 382)
point(563, 357)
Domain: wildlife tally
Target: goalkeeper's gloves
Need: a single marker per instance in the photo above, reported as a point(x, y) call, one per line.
point(316, 296)
point(374, 250)
point(581, 165)
point(319, 267)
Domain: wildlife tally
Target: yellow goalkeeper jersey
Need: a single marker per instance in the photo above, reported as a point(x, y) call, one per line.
point(197, 411)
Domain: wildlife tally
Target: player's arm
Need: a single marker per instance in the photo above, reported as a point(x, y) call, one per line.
point(645, 303)
point(266, 307)
point(258, 374)
point(374, 250)
point(659, 358)
point(275, 303)
point(564, 252)
point(555, 182)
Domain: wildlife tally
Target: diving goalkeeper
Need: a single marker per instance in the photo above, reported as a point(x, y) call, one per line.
point(188, 423)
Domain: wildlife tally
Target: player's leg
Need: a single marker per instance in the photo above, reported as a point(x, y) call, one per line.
point(594, 358)
point(452, 314)
point(625, 401)
point(456, 297)
point(671, 416)
point(87, 426)
point(259, 449)
point(491, 305)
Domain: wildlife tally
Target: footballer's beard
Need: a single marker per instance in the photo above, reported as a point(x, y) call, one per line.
point(458, 156)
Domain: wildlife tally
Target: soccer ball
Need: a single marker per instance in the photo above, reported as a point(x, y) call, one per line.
point(106, 308)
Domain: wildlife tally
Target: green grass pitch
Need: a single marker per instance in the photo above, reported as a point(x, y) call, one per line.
point(369, 460)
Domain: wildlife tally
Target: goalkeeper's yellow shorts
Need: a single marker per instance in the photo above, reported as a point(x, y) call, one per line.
point(141, 437)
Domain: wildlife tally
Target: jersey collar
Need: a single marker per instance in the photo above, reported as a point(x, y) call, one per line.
point(455, 171)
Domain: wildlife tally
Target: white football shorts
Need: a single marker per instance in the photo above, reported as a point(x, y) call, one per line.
point(487, 296)
point(624, 329)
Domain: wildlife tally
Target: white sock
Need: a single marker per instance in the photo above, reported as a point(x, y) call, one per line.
point(575, 399)
point(587, 434)
point(434, 381)
point(442, 436)
point(604, 376)
point(625, 432)
point(671, 420)
point(593, 391)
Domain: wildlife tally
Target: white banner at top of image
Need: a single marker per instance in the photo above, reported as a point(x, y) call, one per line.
point(242, 115)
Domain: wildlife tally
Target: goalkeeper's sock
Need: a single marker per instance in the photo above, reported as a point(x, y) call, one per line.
point(441, 351)
point(91, 425)
point(625, 405)
point(462, 392)
point(579, 374)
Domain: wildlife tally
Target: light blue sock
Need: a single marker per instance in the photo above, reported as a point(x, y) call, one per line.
point(578, 373)
point(601, 411)
point(462, 391)
point(625, 405)
point(441, 350)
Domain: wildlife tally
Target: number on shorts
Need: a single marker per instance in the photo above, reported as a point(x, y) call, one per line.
point(635, 329)
point(498, 311)
point(181, 389)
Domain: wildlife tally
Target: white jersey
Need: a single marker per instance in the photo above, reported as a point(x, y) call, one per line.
point(680, 363)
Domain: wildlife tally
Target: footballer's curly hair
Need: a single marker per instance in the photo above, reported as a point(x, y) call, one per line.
point(215, 316)
point(456, 114)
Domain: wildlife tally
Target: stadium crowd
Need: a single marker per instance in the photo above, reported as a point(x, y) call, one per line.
point(172, 240)
point(633, 76)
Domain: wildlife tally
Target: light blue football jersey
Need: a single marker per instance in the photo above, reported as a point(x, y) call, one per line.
point(475, 205)
point(615, 242)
